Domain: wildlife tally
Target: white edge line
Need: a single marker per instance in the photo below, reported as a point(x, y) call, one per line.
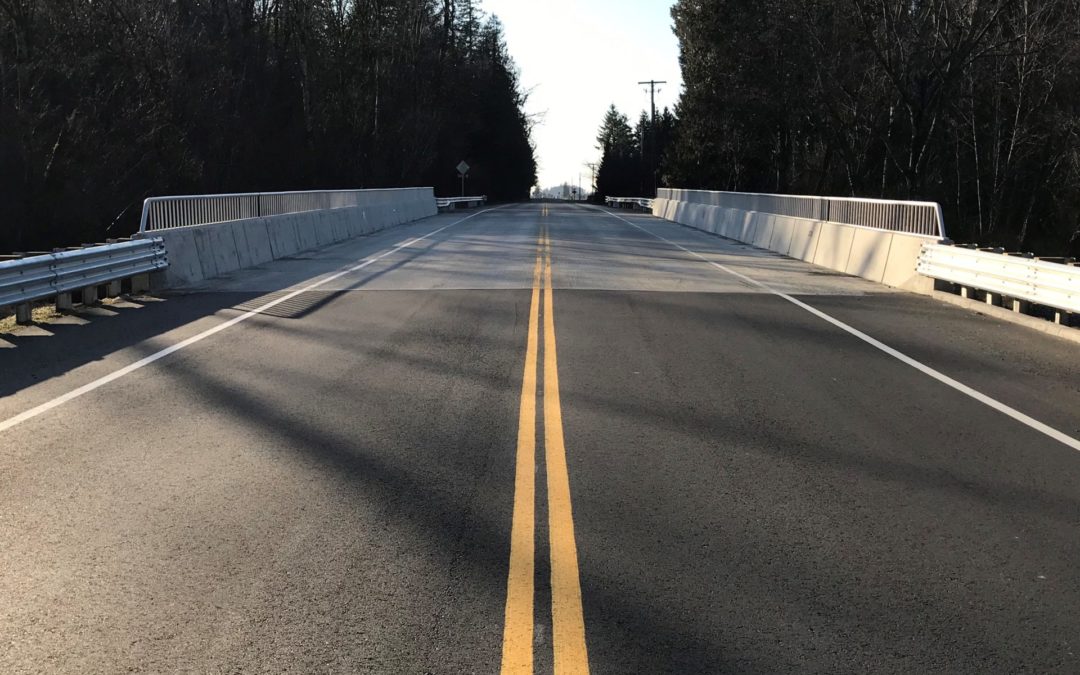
point(1035, 424)
point(157, 356)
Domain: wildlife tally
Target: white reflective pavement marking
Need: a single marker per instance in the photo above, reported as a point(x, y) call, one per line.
point(1035, 424)
point(157, 356)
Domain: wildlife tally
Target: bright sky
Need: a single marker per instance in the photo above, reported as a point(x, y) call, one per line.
point(580, 56)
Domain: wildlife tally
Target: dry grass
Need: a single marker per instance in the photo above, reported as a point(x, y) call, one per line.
point(42, 314)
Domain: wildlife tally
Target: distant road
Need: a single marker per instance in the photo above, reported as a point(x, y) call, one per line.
point(533, 437)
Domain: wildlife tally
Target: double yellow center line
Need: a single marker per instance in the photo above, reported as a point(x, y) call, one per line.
point(568, 622)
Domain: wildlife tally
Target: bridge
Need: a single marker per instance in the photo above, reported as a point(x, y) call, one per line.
point(537, 437)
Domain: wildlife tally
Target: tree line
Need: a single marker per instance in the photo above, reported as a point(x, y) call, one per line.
point(103, 104)
point(631, 157)
point(971, 103)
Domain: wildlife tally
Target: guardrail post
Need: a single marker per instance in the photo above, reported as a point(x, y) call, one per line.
point(1018, 305)
point(89, 295)
point(112, 289)
point(64, 302)
point(24, 314)
point(140, 283)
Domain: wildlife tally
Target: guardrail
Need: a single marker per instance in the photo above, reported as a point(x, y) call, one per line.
point(450, 202)
point(161, 213)
point(28, 280)
point(641, 202)
point(1017, 277)
point(882, 214)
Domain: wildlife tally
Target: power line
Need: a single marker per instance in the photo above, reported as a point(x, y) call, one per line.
point(652, 126)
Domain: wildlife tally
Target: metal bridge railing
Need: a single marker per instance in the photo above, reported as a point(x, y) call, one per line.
point(642, 202)
point(444, 202)
point(923, 218)
point(161, 213)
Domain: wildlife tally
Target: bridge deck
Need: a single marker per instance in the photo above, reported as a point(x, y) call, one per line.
point(329, 484)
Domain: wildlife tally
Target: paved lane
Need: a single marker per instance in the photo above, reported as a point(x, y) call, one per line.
point(758, 491)
point(333, 485)
point(322, 488)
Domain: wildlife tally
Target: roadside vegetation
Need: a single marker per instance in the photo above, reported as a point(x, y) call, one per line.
point(105, 103)
point(975, 105)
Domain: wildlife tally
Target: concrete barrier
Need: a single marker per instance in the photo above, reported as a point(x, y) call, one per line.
point(321, 231)
point(899, 271)
point(340, 223)
point(878, 255)
point(185, 267)
point(804, 241)
point(834, 246)
point(282, 233)
point(252, 242)
point(745, 227)
point(203, 252)
point(783, 233)
point(359, 224)
point(222, 257)
point(763, 230)
point(869, 253)
point(307, 230)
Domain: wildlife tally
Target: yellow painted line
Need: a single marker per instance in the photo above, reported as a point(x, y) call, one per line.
point(567, 617)
point(517, 654)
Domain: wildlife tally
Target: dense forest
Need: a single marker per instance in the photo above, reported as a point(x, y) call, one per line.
point(105, 103)
point(971, 103)
point(630, 157)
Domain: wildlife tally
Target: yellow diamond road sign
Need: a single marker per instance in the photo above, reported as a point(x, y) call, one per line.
point(463, 168)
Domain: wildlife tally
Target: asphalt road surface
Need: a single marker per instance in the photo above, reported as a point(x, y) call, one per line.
point(538, 438)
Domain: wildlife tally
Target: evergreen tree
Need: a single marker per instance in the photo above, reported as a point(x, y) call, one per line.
point(619, 171)
point(971, 104)
point(631, 158)
point(104, 104)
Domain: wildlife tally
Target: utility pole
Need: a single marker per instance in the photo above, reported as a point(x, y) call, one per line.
point(652, 122)
point(592, 167)
point(652, 94)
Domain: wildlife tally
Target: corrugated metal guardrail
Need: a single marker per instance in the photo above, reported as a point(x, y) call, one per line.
point(922, 218)
point(446, 202)
point(1050, 284)
point(641, 202)
point(39, 277)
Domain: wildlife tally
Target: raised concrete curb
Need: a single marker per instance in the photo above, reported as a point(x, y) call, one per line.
point(203, 252)
point(884, 257)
